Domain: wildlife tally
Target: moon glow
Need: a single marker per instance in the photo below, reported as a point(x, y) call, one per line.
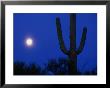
point(29, 42)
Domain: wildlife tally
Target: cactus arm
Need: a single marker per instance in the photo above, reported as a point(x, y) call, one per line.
point(60, 37)
point(82, 42)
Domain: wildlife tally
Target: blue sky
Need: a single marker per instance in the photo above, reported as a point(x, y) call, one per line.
point(41, 27)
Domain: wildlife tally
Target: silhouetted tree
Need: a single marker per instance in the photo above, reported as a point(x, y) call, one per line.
point(34, 69)
point(57, 67)
point(53, 67)
point(21, 68)
point(73, 52)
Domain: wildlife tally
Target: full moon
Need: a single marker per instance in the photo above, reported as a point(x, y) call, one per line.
point(29, 42)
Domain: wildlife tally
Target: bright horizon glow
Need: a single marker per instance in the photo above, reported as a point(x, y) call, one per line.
point(29, 42)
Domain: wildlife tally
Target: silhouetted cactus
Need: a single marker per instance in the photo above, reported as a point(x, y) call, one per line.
point(72, 52)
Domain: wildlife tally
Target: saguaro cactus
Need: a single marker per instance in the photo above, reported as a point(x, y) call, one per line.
point(72, 52)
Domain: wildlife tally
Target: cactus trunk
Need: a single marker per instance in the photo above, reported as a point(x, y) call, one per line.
point(72, 52)
point(72, 66)
point(72, 56)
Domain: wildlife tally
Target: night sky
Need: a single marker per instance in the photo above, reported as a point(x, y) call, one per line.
point(41, 27)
